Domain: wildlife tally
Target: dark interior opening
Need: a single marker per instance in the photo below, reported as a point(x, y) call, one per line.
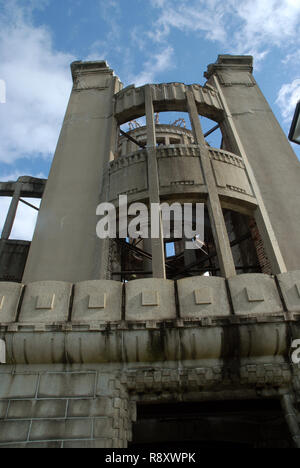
point(224, 424)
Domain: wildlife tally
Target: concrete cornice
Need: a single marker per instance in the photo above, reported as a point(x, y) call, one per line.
point(80, 67)
point(236, 62)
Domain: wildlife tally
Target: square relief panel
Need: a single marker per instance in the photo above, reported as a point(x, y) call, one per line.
point(150, 299)
point(202, 296)
point(97, 301)
point(45, 301)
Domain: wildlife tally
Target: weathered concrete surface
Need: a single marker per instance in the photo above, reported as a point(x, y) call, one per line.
point(65, 246)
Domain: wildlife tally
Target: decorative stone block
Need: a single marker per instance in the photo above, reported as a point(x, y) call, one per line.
point(97, 301)
point(10, 294)
point(46, 302)
point(202, 296)
point(289, 284)
point(254, 294)
point(150, 299)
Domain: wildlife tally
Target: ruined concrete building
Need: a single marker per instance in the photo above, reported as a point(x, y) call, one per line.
point(118, 342)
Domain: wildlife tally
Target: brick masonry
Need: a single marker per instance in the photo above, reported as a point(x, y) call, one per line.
point(62, 409)
point(86, 407)
point(263, 260)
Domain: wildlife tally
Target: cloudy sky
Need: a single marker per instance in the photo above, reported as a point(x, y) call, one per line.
point(143, 41)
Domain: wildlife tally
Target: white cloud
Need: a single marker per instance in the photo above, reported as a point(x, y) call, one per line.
point(288, 96)
point(292, 59)
point(194, 16)
point(157, 63)
point(38, 84)
point(250, 26)
point(267, 23)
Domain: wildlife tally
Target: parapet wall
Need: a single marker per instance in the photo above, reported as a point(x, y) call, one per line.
point(92, 303)
point(149, 320)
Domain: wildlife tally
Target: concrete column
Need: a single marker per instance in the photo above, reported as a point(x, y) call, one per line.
point(252, 131)
point(213, 202)
point(147, 247)
point(158, 254)
point(65, 245)
point(10, 218)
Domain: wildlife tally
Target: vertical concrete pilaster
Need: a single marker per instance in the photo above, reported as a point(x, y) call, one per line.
point(8, 225)
point(158, 254)
point(65, 245)
point(213, 202)
point(252, 131)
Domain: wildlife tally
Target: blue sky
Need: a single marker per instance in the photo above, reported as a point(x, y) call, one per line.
point(143, 41)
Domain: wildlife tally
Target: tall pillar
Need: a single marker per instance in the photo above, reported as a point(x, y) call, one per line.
point(157, 244)
point(252, 131)
point(9, 222)
point(65, 246)
point(213, 203)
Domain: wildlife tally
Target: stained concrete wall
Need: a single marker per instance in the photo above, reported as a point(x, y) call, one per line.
point(273, 161)
point(65, 246)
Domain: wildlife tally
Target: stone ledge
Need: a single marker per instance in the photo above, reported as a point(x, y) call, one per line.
point(98, 304)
